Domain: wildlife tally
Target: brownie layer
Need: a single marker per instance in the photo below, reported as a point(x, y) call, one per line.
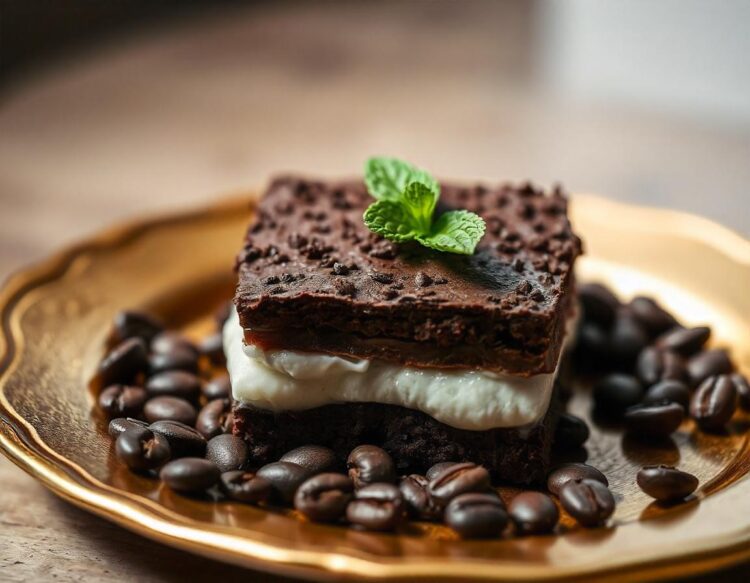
point(312, 277)
point(415, 440)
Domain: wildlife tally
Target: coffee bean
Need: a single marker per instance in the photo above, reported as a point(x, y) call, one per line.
point(228, 452)
point(368, 464)
point(323, 498)
point(533, 513)
point(614, 393)
point(599, 304)
point(684, 341)
point(122, 400)
point(666, 483)
point(213, 348)
point(627, 339)
point(141, 449)
point(655, 365)
point(218, 388)
point(134, 324)
point(178, 359)
point(174, 383)
point(654, 420)
point(184, 441)
point(670, 391)
point(476, 515)
point(564, 473)
point(588, 501)
point(122, 424)
point(571, 432)
point(419, 503)
point(316, 458)
point(655, 319)
point(437, 468)
point(714, 402)
point(190, 475)
point(743, 390)
point(124, 363)
point(707, 364)
point(170, 340)
point(285, 478)
point(592, 351)
point(458, 479)
point(222, 313)
point(245, 487)
point(215, 418)
point(376, 507)
point(169, 408)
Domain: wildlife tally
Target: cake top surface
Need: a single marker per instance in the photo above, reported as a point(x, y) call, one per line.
point(308, 240)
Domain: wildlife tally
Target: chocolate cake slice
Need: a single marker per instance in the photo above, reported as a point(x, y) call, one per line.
point(341, 337)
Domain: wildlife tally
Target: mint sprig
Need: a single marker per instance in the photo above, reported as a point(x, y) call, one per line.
point(406, 199)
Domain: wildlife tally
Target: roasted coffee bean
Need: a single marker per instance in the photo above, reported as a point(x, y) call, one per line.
point(563, 474)
point(229, 452)
point(368, 464)
point(184, 441)
point(670, 391)
point(458, 479)
point(174, 383)
point(169, 408)
point(533, 513)
point(122, 424)
point(215, 418)
point(588, 501)
point(626, 340)
point(476, 515)
point(655, 365)
point(666, 483)
point(285, 478)
point(437, 468)
point(654, 420)
point(599, 304)
point(212, 347)
point(614, 393)
point(122, 400)
point(743, 390)
point(315, 458)
point(222, 313)
point(124, 363)
point(134, 324)
point(571, 432)
point(592, 351)
point(707, 364)
point(178, 359)
point(170, 340)
point(714, 402)
point(190, 475)
point(376, 507)
point(141, 449)
point(655, 319)
point(419, 504)
point(684, 341)
point(323, 498)
point(218, 388)
point(245, 487)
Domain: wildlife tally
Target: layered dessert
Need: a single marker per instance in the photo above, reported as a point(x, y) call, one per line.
point(341, 337)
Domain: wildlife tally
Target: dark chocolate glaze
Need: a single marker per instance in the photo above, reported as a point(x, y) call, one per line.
point(313, 277)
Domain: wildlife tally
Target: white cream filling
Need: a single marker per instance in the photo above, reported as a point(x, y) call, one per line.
point(281, 380)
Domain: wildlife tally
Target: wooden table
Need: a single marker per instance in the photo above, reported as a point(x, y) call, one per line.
point(168, 120)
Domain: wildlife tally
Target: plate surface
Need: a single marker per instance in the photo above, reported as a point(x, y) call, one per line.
point(55, 318)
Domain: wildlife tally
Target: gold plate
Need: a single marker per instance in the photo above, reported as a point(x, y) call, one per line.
point(56, 315)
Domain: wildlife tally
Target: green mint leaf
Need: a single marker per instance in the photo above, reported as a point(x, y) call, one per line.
point(420, 202)
point(455, 232)
point(391, 220)
point(387, 178)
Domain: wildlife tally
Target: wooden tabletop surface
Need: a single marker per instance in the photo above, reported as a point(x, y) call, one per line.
point(173, 118)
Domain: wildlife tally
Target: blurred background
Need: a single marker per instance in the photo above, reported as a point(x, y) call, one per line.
point(126, 107)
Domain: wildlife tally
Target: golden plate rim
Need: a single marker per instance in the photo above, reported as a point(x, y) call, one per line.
point(80, 488)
